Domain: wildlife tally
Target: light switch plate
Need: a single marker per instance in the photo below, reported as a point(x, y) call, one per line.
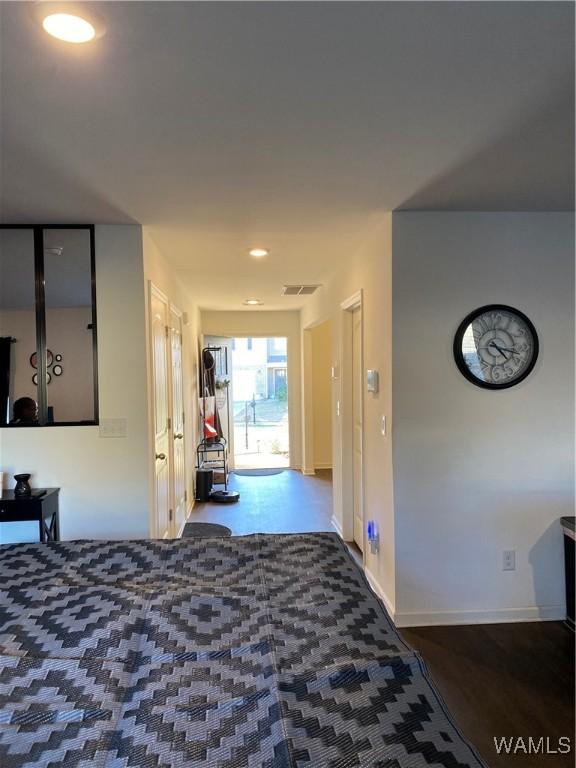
point(372, 381)
point(113, 427)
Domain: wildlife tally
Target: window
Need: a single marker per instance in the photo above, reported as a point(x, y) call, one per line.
point(277, 350)
point(48, 355)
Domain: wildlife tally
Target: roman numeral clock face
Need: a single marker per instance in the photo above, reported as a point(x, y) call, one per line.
point(496, 347)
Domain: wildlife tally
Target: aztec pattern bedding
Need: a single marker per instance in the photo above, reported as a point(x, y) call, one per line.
point(265, 651)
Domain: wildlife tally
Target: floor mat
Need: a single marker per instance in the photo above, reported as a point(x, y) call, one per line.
point(257, 472)
point(205, 530)
point(262, 651)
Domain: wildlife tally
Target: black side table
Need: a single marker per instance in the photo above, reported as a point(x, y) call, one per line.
point(568, 529)
point(41, 507)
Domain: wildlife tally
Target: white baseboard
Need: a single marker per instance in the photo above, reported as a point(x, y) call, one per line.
point(308, 472)
point(494, 616)
point(188, 513)
point(323, 465)
point(380, 592)
point(337, 527)
point(447, 618)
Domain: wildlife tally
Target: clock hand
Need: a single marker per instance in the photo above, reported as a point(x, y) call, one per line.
point(500, 349)
point(493, 344)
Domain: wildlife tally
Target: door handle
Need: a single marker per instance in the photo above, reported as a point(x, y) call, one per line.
point(161, 456)
point(178, 436)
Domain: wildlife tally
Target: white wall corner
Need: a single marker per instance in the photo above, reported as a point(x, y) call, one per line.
point(379, 591)
point(337, 527)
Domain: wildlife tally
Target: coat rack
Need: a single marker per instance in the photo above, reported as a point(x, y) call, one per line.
point(212, 451)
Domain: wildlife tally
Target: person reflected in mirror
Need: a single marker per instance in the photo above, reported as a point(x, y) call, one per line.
point(25, 411)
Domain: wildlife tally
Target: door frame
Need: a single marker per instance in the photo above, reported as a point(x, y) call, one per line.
point(154, 291)
point(175, 311)
point(346, 458)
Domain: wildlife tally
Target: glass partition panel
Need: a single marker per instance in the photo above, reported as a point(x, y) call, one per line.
point(18, 358)
point(70, 333)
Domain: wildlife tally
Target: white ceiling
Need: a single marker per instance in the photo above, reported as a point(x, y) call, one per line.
point(291, 125)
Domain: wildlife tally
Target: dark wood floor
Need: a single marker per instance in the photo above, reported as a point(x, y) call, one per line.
point(504, 680)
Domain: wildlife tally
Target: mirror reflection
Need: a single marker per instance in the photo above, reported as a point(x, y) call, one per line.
point(69, 330)
point(47, 326)
point(18, 384)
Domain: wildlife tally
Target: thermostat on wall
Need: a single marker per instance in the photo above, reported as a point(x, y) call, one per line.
point(372, 380)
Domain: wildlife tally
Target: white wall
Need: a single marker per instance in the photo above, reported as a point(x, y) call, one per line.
point(104, 481)
point(263, 323)
point(158, 271)
point(478, 471)
point(369, 269)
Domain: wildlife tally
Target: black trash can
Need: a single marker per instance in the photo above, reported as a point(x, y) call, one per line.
point(569, 535)
point(204, 481)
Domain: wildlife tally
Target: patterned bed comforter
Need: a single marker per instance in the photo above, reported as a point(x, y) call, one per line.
point(266, 650)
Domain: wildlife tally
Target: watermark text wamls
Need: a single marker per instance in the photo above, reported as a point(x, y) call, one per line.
point(532, 745)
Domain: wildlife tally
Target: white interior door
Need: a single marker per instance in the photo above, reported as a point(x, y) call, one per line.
point(159, 339)
point(177, 420)
point(357, 426)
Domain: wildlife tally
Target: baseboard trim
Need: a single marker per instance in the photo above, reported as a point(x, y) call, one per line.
point(188, 513)
point(308, 472)
point(323, 465)
point(494, 616)
point(380, 592)
point(337, 527)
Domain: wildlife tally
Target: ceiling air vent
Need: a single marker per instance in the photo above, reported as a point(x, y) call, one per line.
point(298, 290)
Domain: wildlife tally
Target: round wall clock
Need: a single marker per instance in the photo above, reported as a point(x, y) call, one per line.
point(496, 346)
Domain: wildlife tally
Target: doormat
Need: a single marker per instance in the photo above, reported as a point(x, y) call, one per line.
point(205, 530)
point(257, 472)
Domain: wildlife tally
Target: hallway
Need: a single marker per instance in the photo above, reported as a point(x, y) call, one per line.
point(288, 502)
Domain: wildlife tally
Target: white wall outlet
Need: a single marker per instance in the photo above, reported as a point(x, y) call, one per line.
point(509, 560)
point(113, 427)
point(334, 372)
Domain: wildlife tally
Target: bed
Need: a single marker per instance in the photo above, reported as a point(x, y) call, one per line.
point(260, 651)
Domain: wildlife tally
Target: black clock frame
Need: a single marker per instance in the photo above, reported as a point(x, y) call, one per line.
point(459, 357)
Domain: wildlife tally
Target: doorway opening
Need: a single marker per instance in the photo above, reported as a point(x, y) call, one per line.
point(259, 390)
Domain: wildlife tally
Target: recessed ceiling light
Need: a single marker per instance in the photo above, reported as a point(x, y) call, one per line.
point(259, 253)
point(72, 29)
point(71, 22)
point(253, 302)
